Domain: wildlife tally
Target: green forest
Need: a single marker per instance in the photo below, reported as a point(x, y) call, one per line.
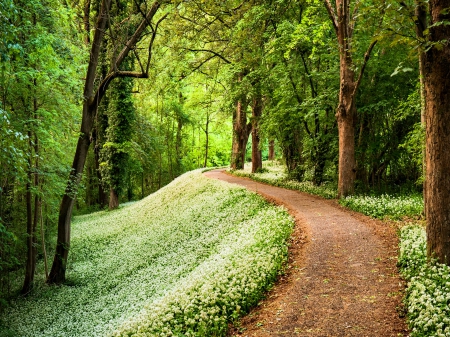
point(104, 103)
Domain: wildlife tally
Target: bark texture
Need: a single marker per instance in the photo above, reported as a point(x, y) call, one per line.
point(343, 23)
point(346, 110)
point(256, 149)
point(437, 100)
point(241, 131)
point(113, 199)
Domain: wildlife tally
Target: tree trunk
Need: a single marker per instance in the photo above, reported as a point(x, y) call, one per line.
point(206, 140)
point(178, 146)
point(437, 100)
point(346, 110)
point(256, 150)
point(240, 136)
point(33, 179)
point(271, 150)
point(30, 265)
point(58, 270)
point(113, 199)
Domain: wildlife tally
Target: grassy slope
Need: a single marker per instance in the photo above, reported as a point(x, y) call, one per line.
point(129, 267)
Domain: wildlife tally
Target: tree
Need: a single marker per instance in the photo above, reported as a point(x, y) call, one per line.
point(343, 23)
point(437, 109)
point(94, 92)
point(241, 130)
point(115, 151)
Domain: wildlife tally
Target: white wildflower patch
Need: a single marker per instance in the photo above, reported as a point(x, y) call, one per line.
point(275, 174)
point(385, 206)
point(185, 261)
point(428, 294)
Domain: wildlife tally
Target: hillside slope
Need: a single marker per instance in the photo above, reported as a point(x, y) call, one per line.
point(184, 260)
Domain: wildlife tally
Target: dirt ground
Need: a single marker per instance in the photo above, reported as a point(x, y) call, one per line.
point(341, 278)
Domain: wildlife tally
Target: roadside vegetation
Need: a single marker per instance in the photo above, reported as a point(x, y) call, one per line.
point(428, 294)
point(184, 261)
point(274, 173)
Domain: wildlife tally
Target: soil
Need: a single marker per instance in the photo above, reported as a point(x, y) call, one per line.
point(341, 278)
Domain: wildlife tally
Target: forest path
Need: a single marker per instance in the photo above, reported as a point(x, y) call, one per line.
point(341, 280)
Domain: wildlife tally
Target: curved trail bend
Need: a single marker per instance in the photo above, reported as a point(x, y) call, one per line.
point(342, 278)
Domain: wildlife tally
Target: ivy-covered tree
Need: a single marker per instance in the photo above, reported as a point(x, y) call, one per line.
point(115, 153)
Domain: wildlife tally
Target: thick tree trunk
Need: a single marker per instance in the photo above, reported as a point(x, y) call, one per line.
point(113, 199)
point(437, 98)
point(346, 110)
point(241, 132)
point(271, 150)
point(256, 150)
point(347, 163)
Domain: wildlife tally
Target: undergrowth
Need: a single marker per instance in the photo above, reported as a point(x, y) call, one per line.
point(185, 261)
point(428, 294)
point(386, 206)
point(274, 174)
point(383, 206)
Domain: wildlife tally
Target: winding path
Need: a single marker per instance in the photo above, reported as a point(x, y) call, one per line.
point(341, 279)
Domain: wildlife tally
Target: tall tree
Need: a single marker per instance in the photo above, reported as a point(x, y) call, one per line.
point(437, 103)
point(241, 130)
point(343, 22)
point(94, 92)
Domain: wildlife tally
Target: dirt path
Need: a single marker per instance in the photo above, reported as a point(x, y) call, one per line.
point(342, 277)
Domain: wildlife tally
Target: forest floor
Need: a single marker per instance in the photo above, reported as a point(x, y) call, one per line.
point(341, 278)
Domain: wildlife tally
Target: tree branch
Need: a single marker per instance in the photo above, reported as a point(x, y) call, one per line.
point(363, 67)
point(331, 14)
point(354, 15)
point(137, 34)
point(152, 40)
point(212, 52)
point(103, 87)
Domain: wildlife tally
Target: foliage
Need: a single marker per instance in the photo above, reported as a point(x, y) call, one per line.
point(187, 259)
point(39, 95)
point(428, 293)
point(115, 153)
point(386, 206)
